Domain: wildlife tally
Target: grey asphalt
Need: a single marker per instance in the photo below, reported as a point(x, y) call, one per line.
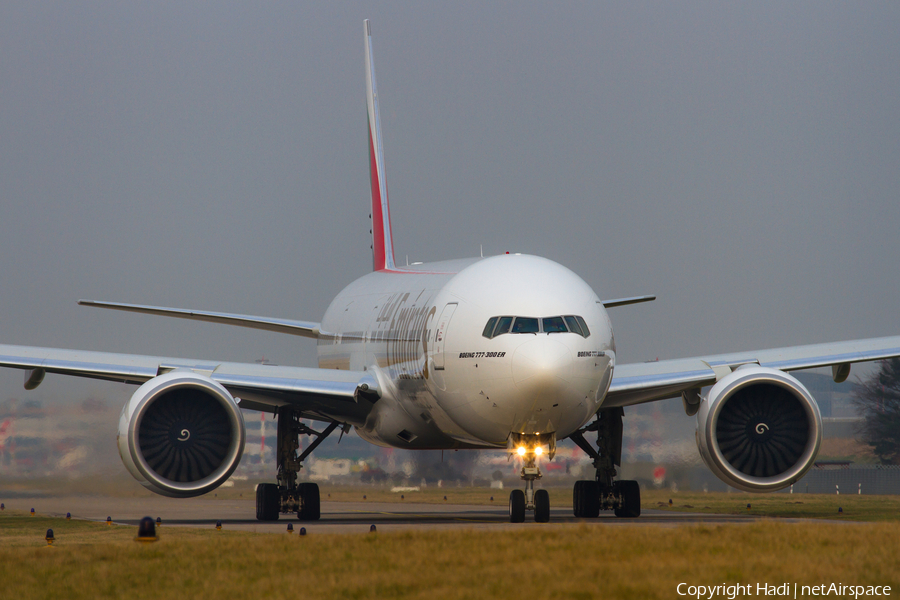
point(337, 517)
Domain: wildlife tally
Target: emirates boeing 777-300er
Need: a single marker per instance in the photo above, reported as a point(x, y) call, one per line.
point(511, 352)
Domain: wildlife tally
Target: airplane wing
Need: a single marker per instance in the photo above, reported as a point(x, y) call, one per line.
point(302, 328)
point(644, 382)
point(328, 394)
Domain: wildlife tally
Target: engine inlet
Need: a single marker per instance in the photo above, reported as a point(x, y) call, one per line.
point(185, 435)
point(762, 430)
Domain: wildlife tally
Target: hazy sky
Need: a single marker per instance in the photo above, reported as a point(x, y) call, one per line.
point(739, 160)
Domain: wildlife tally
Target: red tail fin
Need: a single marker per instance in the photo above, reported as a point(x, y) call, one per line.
point(382, 240)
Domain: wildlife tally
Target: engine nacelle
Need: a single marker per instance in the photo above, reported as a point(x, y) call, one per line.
point(759, 429)
point(181, 434)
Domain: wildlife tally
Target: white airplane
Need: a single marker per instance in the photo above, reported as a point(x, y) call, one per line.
point(510, 352)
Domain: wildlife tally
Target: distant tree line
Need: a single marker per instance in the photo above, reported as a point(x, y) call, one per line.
point(878, 401)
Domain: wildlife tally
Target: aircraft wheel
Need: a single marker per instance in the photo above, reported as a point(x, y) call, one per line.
point(309, 502)
point(541, 506)
point(267, 502)
point(586, 499)
point(576, 500)
point(631, 498)
point(517, 506)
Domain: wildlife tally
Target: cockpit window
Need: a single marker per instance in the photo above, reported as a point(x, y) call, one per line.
point(489, 328)
point(554, 325)
point(564, 324)
point(526, 325)
point(574, 327)
point(584, 328)
point(503, 324)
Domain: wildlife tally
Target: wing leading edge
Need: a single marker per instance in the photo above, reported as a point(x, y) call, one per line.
point(302, 328)
point(645, 382)
point(329, 393)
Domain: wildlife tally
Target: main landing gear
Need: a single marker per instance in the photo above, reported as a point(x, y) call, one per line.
point(529, 447)
point(287, 496)
point(590, 497)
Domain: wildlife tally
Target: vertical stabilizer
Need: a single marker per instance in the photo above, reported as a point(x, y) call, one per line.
point(382, 241)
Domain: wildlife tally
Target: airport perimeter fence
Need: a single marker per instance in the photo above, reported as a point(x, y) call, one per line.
point(846, 479)
point(856, 479)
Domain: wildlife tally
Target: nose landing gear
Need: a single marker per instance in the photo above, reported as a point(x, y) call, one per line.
point(538, 501)
point(530, 447)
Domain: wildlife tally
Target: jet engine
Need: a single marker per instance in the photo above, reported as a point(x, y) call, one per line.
point(181, 434)
point(758, 429)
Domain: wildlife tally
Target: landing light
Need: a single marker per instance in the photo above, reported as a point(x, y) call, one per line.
point(521, 450)
point(538, 451)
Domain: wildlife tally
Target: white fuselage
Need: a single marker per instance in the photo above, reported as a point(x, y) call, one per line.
point(444, 383)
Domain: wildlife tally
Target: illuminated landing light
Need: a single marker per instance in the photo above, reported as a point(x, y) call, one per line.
point(50, 539)
point(146, 531)
point(538, 451)
point(521, 450)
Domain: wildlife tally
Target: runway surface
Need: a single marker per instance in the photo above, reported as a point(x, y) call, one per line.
point(337, 517)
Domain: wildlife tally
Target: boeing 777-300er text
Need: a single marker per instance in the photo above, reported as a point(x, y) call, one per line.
point(509, 352)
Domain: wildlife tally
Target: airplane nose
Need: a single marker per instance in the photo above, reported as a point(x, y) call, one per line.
point(542, 364)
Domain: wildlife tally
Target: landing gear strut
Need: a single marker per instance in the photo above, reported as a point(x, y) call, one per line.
point(287, 496)
point(589, 497)
point(529, 447)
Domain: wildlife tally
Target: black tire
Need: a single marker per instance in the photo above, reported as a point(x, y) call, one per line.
point(267, 502)
point(631, 499)
point(309, 502)
point(517, 506)
point(586, 499)
point(541, 506)
point(577, 509)
point(591, 500)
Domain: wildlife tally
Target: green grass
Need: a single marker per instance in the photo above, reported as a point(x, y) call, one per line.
point(123, 485)
point(800, 506)
point(91, 560)
point(805, 506)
